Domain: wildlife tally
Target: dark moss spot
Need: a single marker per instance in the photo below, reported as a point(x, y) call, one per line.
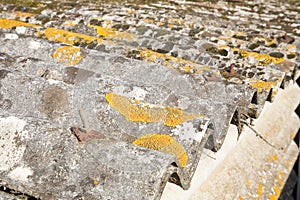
point(291, 56)
point(174, 53)
point(253, 46)
point(3, 73)
point(223, 52)
point(54, 102)
point(121, 27)
point(213, 50)
point(240, 37)
point(176, 28)
point(162, 51)
point(193, 32)
point(92, 45)
point(95, 22)
point(101, 47)
point(6, 104)
point(134, 54)
point(250, 74)
point(277, 55)
point(260, 73)
point(244, 73)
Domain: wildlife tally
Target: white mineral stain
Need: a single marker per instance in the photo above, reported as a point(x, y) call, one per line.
point(11, 129)
point(11, 36)
point(34, 45)
point(21, 174)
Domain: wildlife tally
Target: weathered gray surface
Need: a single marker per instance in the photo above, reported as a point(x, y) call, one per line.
point(50, 164)
point(219, 61)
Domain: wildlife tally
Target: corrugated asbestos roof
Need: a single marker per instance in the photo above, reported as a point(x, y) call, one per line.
point(110, 100)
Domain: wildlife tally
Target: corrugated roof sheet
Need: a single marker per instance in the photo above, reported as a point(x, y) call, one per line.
point(155, 82)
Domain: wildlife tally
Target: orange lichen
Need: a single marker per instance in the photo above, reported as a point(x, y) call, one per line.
point(263, 85)
point(277, 190)
point(259, 190)
point(10, 23)
point(68, 54)
point(163, 143)
point(277, 193)
point(59, 35)
point(240, 197)
point(272, 158)
point(137, 111)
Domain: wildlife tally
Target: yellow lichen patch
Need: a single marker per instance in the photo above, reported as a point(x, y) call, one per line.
point(248, 183)
point(186, 68)
point(263, 85)
point(171, 62)
point(10, 23)
point(281, 173)
point(240, 33)
point(171, 26)
point(138, 111)
point(112, 33)
point(59, 35)
point(279, 180)
point(265, 59)
point(270, 41)
point(223, 47)
point(24, 14)
point(272, 197)
point(160, 23)
point(95, 181)
point(130, 11)
point(293, 135)
point(290, 47)
point(147, 20)
point(105, 32)
point(259, 190)
point(70, 23)
point(288, 164)
point(68, 55)
point(177, 21)
point(163, 143)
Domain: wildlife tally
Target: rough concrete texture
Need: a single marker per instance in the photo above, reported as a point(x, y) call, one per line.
point(113, 99)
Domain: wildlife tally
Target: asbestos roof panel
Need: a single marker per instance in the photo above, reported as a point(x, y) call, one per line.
point(138, 74)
